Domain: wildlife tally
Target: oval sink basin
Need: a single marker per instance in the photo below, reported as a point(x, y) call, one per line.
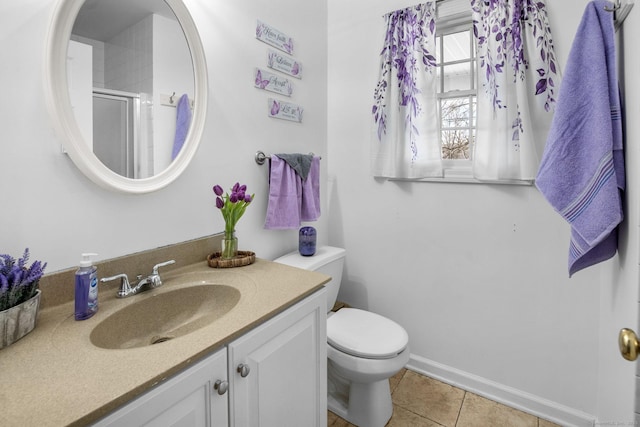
point(164, 316)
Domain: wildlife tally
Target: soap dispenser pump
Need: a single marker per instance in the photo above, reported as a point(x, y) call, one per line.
point(86, 288)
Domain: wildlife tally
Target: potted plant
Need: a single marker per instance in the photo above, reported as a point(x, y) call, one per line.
point(19, 297)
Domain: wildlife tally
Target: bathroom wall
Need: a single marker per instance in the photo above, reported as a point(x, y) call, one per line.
point(58, 213)
point(477, 274)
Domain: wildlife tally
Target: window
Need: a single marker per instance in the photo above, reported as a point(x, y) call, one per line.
point(456, 62)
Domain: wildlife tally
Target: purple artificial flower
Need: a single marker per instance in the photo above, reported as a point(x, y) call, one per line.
point(17, 282)
point(218, 190)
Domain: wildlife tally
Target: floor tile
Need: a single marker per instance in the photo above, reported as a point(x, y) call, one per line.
point(480, 412)
point(404, 418)
point(429, 398)
point(335, 421)
point(395, 380)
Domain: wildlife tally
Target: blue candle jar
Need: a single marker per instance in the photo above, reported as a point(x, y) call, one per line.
point(307, 241)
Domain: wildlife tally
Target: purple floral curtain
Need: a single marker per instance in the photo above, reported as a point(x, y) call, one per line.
point(405, 124)
point(518, 79)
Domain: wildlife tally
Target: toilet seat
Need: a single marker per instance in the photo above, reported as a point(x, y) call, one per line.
point(364, 334)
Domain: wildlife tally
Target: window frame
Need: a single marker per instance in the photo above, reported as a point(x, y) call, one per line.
point(457, 168)
point(459, 171)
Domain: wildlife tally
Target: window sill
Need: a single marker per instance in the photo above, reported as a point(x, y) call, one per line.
point(464, 176)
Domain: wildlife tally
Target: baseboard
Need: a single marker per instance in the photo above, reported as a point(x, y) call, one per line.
point(509, 396)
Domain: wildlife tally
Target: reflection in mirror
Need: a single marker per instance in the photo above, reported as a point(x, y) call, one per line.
point(59, 71)
point(128, 66)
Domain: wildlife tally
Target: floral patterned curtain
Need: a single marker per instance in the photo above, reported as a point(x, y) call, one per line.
point(517, 82)
point(405, 141)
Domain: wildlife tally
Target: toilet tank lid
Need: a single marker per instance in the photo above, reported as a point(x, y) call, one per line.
point(323, 256)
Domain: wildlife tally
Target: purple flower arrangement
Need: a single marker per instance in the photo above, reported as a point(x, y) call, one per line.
point(18, 283)
point(232, 206)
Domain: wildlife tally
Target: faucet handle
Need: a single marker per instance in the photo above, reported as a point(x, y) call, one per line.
point(162, 264)
point(125, 287)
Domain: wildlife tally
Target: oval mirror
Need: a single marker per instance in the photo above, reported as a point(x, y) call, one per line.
point(129, 116)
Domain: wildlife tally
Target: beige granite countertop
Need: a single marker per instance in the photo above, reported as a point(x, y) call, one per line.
point(55, 376)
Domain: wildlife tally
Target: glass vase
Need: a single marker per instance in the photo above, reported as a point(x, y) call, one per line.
point(307, 241)
point(229, 246)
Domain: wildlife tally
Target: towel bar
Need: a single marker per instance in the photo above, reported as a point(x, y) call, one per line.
point(260, 157)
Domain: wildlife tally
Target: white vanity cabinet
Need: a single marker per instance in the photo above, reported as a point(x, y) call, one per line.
point(278, 371)
point(187, 399)
point(275, 374)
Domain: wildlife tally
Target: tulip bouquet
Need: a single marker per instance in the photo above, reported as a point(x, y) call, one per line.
point(18, 283)
point(232, 207)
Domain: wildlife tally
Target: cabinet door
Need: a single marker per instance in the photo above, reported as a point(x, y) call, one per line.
point(186, 400)
point(286, 381)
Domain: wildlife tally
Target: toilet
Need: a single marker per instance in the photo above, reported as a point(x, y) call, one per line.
point(364, 349)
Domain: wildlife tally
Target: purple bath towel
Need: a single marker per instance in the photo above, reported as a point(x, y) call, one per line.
point(292, 199)
point(183, 120)
point(582, 169)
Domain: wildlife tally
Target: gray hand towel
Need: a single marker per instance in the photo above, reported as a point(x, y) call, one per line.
point(301, 163)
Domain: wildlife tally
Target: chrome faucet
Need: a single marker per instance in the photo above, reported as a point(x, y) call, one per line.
point(151, 281)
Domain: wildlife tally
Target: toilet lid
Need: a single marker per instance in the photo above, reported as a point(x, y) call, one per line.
point(365, 334)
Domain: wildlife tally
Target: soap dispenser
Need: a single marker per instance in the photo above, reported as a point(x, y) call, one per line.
point(86, 288)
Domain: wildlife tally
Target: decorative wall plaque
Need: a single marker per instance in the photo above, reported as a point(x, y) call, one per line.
point(273, 37)
point(273, 83)
point(285, 110)
point(284, 63)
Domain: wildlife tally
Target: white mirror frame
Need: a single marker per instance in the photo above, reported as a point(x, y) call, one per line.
point(59, 103)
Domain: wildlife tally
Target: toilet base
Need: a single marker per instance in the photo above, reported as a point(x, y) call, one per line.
point(364, 405)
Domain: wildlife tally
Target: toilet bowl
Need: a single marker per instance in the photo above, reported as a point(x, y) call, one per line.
point(364, 349)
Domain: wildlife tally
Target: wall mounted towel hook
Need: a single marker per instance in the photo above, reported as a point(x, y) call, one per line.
point(616, 6)
point(171, 97)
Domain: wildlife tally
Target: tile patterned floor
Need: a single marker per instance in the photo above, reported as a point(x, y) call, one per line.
point(420, 401)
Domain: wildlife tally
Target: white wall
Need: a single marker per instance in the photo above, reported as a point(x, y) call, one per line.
point(476, 273)
point(58, 213)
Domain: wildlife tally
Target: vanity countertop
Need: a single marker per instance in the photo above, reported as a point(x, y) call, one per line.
point(55, 376)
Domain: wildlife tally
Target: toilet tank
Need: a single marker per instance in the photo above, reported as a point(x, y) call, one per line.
point(327, 260)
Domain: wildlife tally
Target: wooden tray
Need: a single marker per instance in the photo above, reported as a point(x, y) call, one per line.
point(243, 258)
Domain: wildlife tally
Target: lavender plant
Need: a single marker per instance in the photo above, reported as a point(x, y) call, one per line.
point(18, 283)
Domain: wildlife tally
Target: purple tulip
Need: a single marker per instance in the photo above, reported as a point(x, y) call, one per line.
point(233, 198)
point(219, 203)
point(242, 188)
point(247, 198)
point(218, 190)
point(235, 187)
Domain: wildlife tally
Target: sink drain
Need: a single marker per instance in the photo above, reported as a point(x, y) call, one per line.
point(158, 339)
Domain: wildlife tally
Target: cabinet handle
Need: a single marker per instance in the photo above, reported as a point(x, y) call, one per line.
point(243, 370)
point(221, 386)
